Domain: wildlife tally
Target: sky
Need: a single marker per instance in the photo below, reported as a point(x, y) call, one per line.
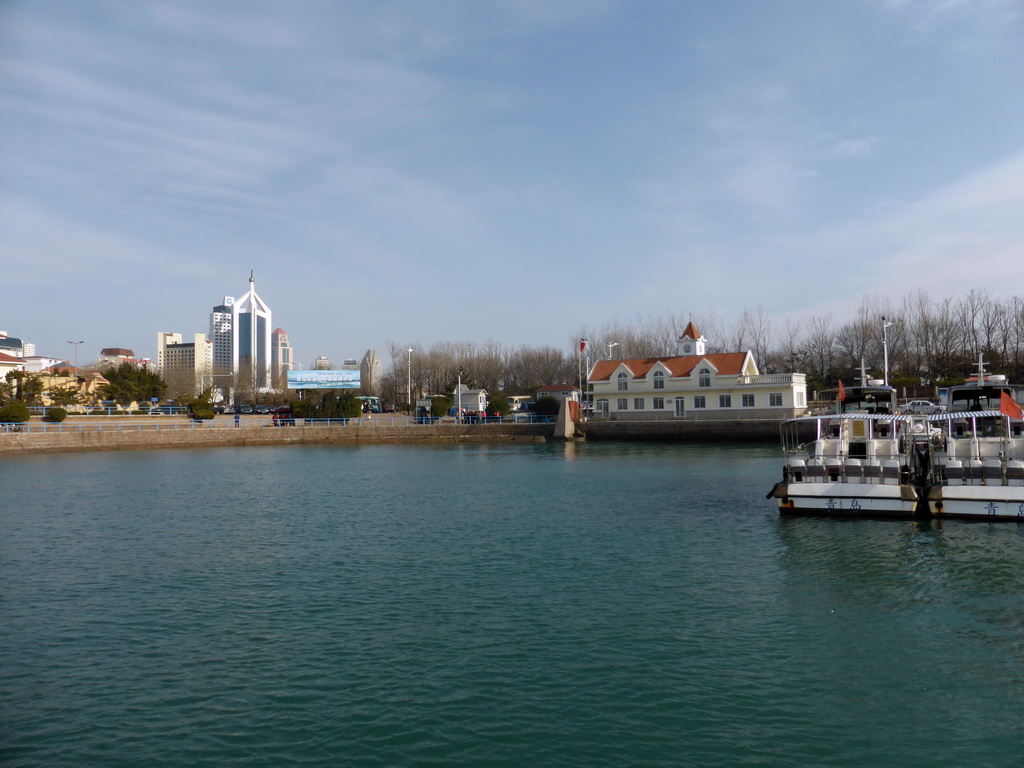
point(415, 171)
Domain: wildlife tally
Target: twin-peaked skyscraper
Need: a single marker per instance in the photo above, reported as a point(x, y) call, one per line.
point(241, 330)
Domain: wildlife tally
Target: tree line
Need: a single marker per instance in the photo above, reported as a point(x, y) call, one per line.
point(929, 342)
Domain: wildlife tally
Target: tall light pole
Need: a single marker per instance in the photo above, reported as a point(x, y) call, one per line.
point(610, 345)
point(885, 350)
point(76, 343)
point(408, 391)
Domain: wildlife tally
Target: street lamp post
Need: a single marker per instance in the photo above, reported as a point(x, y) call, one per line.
point(610, 345)
point(408, 383)
point(76, 343)
point(78, 391)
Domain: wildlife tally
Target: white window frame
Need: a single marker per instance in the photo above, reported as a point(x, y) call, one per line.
point(623, 382)
point(638, 404)
point(659, 379)
point(699, 401)
point(725, 401)
point(622, 404)
point(704, 377)
point(748, 401)
point(680, 407)
point(658, 404)
point(775, 399)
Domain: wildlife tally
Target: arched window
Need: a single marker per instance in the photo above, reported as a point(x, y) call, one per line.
point(704, 377)
point(659, 379)
point(623, 382)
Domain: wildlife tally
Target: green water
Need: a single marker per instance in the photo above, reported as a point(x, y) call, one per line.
point(563, 605)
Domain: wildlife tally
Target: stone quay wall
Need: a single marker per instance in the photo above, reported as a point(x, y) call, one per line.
point(764, 431)
point(684, 431)
point(20, 443)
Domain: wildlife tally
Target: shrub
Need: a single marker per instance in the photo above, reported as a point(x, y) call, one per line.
point(440, 405)
point(499, 405)
point(202, 413)
point(14, 413)
point(56, 415)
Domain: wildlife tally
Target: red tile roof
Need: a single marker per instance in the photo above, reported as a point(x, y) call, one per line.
point(690, 331)
point(726, 364)
point(5, 358)
point(557, 388)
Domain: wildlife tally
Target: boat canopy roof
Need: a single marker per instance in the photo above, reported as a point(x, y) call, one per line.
point(950, 416)
point(853, 417)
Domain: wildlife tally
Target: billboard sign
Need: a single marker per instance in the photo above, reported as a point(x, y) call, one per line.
point(323, 380)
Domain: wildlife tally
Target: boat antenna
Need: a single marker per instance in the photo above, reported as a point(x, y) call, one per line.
point(981, 369)
point(863, 373)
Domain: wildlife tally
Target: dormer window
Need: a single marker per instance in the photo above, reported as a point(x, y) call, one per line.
point(659, 379)
point(623, 380)
point(704, 377)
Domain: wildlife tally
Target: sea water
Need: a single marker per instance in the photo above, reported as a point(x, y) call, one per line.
point(502, 605)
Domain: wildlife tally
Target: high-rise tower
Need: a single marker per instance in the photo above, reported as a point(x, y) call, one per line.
point(250, 333)
point(240, 332)
point(221, 323)
point(281, 360)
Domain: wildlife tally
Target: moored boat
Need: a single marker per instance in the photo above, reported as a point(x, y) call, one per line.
point(978, 471)
point(864, 459)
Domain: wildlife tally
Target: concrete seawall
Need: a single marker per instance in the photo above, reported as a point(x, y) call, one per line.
point(128, 440)
point(73, 440)
point(689, 431)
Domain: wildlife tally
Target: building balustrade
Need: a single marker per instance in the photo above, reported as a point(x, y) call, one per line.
point(773, 379)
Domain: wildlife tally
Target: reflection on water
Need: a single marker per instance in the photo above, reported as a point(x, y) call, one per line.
point(560, 604)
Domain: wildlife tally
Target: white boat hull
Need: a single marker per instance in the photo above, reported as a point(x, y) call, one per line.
point(979, 502)
point(846, 499)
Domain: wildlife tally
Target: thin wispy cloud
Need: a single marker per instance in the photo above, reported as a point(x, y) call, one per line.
point(449, 168)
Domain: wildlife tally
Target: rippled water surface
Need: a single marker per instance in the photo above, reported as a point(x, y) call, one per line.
point(562, 605)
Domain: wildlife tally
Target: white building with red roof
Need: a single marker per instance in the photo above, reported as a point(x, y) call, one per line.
point(694, 385)
point(10, 363)
point(559, 392)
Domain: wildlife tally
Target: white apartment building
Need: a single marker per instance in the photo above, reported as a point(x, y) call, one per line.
point(174, 358)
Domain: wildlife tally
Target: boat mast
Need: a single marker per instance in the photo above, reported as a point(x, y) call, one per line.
point(885, 349)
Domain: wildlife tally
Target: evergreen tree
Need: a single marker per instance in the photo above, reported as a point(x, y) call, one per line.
point(130, 383)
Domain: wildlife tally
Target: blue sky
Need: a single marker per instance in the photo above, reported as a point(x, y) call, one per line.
point(510, 170)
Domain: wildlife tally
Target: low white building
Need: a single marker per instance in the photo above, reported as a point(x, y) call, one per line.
point(559, 392)
point(38, 363)
point(694, 385)
point(470, 399)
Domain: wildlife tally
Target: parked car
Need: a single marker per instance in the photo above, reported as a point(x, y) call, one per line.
point(923, 407)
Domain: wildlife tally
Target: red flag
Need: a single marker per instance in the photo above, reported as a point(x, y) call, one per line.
point(583, 344)
point(1008, 407)
point(842, 392)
